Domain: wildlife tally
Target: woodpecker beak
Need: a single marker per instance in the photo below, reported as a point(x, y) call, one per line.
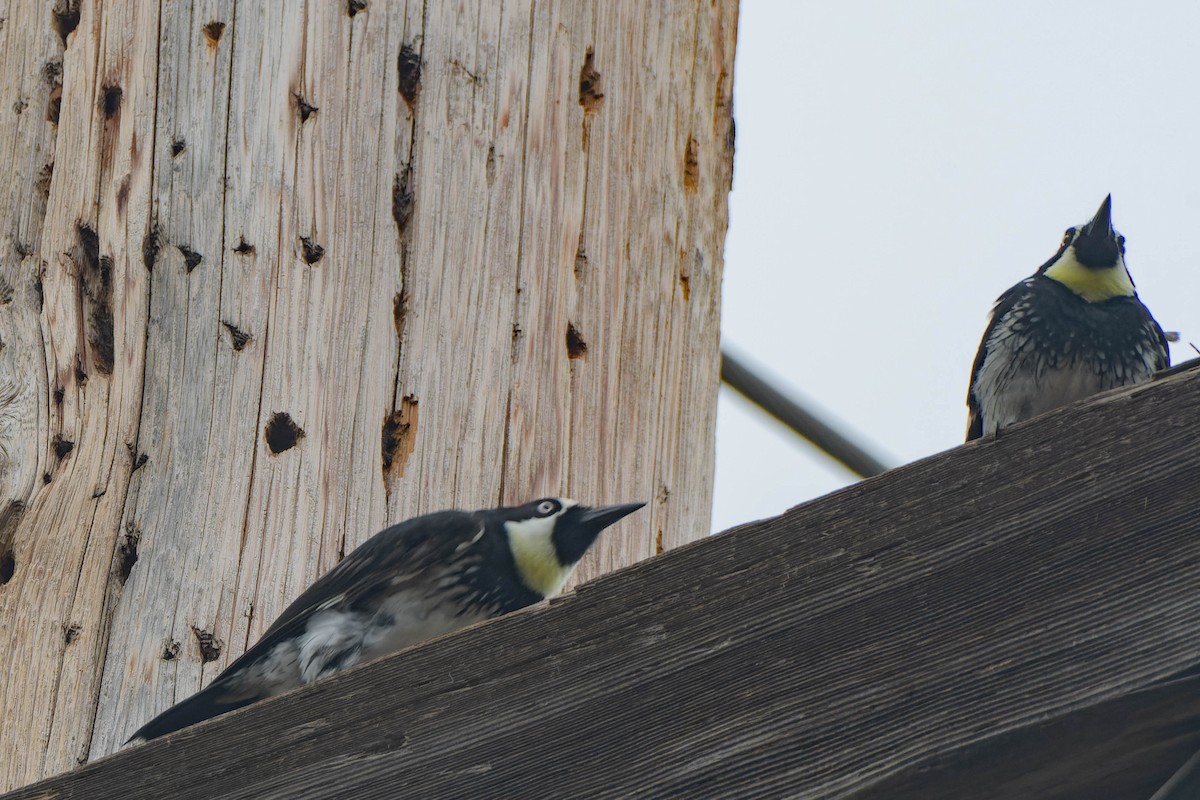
point(600, 517)
point(1097, 247)
point(578, 527)
point(1101, 225)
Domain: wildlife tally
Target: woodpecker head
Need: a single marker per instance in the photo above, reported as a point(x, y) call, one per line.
point(548, 537)
point(1091, 260)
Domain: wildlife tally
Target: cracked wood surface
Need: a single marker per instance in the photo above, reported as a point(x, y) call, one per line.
point(275, 275)
point(1011, 619)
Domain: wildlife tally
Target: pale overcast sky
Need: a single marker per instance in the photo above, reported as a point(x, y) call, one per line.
point(898, 166)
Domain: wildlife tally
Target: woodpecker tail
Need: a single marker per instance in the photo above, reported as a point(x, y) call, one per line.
point(210, 702)
point(974, 424)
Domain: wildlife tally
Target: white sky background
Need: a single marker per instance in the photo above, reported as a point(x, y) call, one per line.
point(898, 166)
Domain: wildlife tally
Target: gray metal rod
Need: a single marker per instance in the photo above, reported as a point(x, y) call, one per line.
point(824, 435)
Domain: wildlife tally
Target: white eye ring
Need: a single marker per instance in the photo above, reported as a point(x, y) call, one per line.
point(547, 507)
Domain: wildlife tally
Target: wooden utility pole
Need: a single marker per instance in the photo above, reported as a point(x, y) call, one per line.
point(275, 275)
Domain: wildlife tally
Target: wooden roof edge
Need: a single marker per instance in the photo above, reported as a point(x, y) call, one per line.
point(918, 632)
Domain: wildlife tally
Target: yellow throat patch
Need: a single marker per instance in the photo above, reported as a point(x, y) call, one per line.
point(1093, 285)
point(532, 545)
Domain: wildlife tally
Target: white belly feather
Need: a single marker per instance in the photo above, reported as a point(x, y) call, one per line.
point(1016, 383)
point(335, 640)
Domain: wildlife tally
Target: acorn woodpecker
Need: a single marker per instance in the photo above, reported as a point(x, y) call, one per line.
point(1075, 328)
point(410, 582)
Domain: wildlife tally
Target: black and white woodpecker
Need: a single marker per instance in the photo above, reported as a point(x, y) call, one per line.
point(410, 582)
point(1074, 328)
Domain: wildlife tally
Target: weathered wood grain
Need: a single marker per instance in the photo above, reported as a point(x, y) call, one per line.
point(309, 268)
point(91, 314)
point(1011, 619)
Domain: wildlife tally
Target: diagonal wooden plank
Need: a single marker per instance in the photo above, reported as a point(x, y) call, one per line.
point(857, 642)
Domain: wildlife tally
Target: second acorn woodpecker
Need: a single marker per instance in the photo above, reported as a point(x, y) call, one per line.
point(410, 582)
point(1074, 328)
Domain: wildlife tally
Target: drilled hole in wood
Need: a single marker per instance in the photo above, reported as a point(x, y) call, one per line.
point(71, 632)
point(54, 105)
point(178, 145)
point(282, 433)
point(64, 18)
point(45, 175)
point(52, 75)
point(355, 6)
point(100, 337)
point(576, 346)
point(393, 428)
point(398, 436)
point(170, 650)
point(110, 100)
point(100, 317)
point(6, 292)
point(402, 199)
point(150, 247)
point(52, 72)
point(581, 259)
point(89, 246)
point(408, 64)
point(8, 566)
point(243, 248)
point(210, 646)
point(123, 195)
point(136, 460)
point(311, 251)
point(304, 108)
point(237, 337)
point(62, 447)
point(213, 31)
point(127, 554)
point(590, 96)
point(191, 259)
point(94, 273)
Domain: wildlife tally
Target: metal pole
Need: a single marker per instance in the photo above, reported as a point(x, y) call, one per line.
point(821, 433)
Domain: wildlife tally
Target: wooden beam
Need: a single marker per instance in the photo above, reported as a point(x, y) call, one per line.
point(1012, 618)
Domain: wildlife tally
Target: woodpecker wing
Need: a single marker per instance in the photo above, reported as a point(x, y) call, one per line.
point(1163, 356)
point(1004, 304)
point(408, 553)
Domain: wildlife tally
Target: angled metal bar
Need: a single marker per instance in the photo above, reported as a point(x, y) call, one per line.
point(824, 434)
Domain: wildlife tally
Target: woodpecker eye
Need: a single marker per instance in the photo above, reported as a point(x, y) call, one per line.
point(1068, 236)
point(547, 507)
